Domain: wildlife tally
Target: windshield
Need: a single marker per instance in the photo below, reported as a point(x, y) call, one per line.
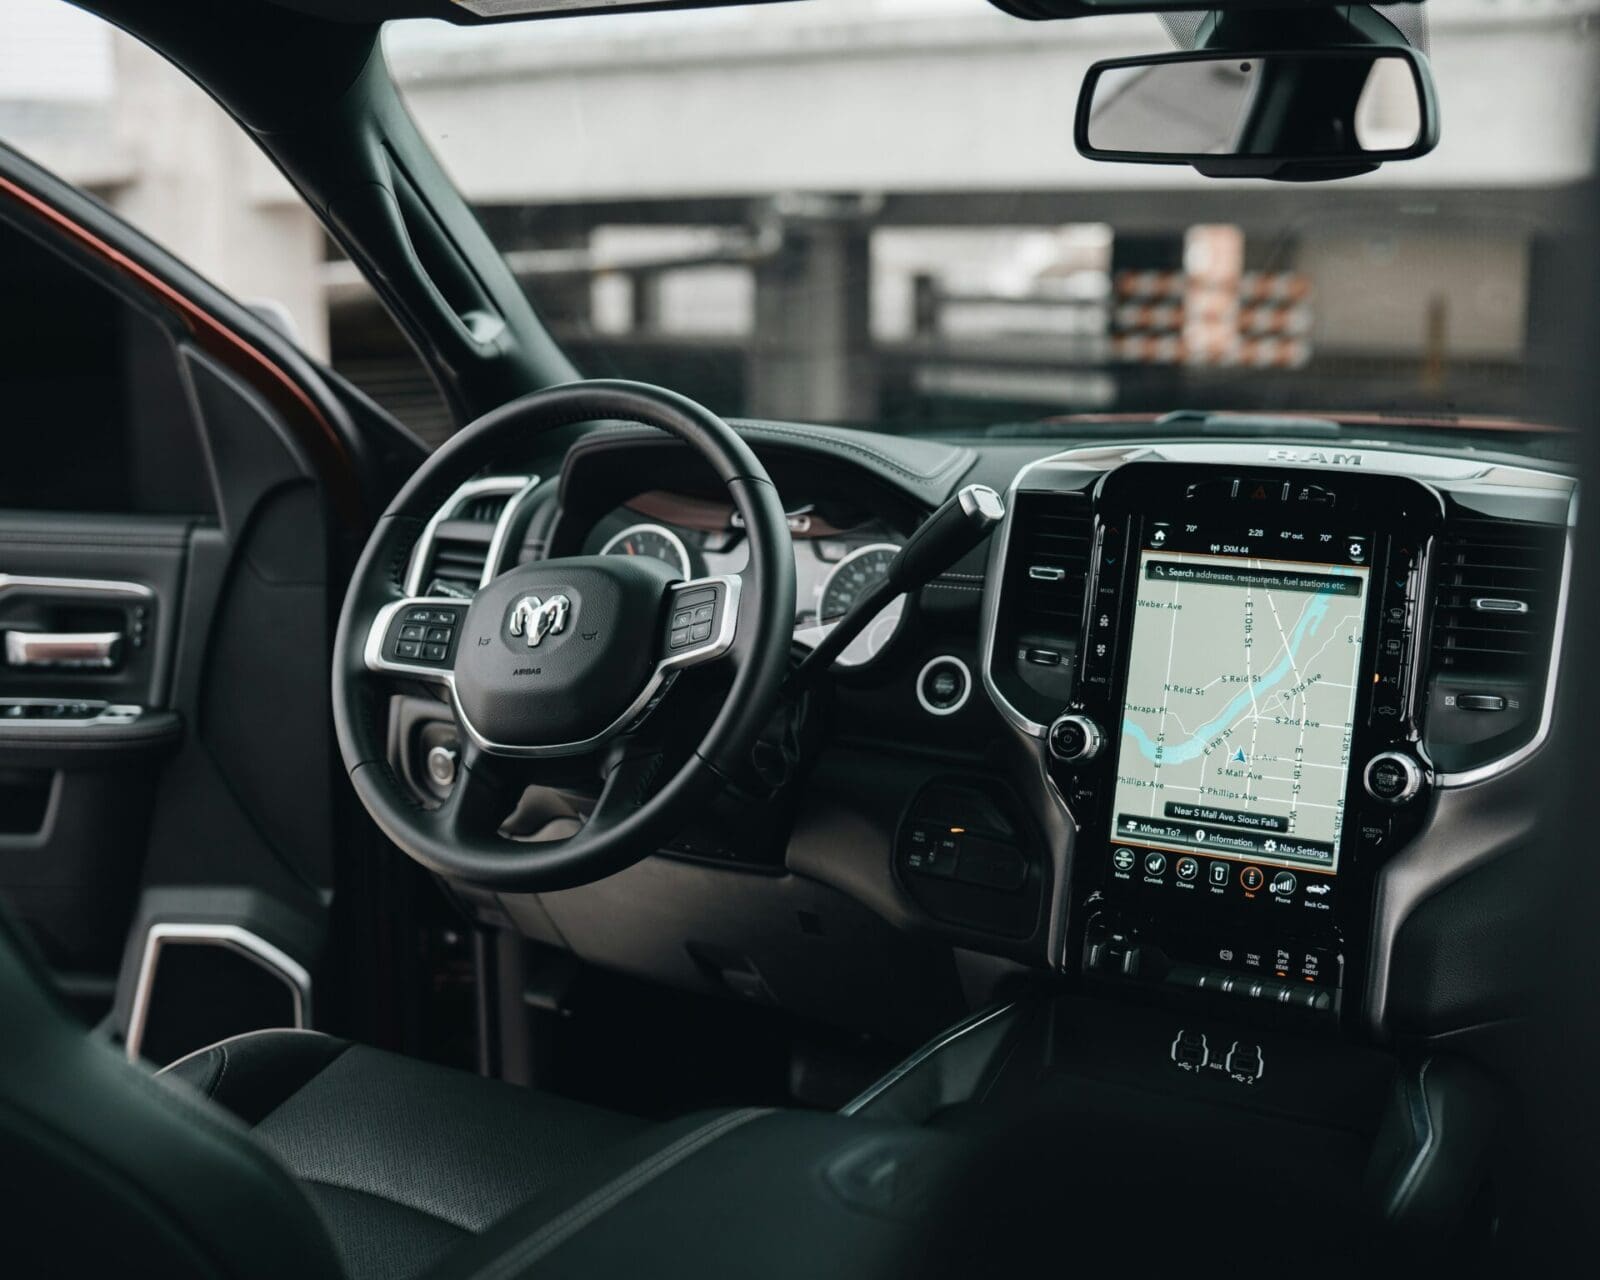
point(871, 212)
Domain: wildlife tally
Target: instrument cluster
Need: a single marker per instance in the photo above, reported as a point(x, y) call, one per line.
point(838, 557)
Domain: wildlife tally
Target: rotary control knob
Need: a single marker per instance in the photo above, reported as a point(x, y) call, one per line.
point(1075, 739)
point(1392, 778)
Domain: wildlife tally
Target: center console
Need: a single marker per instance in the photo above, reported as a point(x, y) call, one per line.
point(1237, 735)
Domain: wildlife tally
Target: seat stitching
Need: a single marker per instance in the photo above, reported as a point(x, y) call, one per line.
point(373, 1195)
point(574, 1219)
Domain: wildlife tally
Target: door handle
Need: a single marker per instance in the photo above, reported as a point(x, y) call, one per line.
point(92, 649)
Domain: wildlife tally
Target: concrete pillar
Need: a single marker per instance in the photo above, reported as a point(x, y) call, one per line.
point(811, 356)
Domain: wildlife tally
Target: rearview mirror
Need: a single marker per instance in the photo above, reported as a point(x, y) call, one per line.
point(1282, 114)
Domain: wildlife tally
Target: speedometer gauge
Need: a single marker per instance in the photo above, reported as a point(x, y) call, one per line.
point(860, 571)
point(653, 541)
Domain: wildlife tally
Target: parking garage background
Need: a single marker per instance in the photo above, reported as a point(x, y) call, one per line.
point(871, 211)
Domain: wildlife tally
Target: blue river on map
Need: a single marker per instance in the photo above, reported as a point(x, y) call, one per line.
point(1308, 626)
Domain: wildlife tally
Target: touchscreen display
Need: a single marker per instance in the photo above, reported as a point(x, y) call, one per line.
point(1241, 695)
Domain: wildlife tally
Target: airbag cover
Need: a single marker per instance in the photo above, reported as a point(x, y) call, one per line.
point(585, 670)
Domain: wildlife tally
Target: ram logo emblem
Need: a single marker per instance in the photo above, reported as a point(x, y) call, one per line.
point(536, 618)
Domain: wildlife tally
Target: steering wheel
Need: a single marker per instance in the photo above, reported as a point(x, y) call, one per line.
point(559, 663)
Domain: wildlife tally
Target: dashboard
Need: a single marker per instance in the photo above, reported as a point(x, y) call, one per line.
point(1206, 722)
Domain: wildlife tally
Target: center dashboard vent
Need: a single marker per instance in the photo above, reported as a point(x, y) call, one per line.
point(1050, 565)
point(1497, 589)
point(1038, 628)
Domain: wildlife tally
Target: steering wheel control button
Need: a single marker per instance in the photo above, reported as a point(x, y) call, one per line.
point(696, 612)
point(1075, 739)
point(1252, 878)
point(423, 636)
point(1392, 778)
point(944, 685)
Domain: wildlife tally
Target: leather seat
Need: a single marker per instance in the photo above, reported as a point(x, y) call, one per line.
point(270, 1155)
point(403, 1160)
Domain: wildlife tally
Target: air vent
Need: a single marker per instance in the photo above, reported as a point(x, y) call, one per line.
point(485, 509)
point(1050, 565)
point(460, 549)
point(456, 545)
point(1497, 587)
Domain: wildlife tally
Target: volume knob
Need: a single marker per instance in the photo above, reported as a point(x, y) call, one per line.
point(1075, 739)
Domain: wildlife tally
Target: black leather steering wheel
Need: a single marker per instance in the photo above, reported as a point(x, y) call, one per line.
point(562, 659)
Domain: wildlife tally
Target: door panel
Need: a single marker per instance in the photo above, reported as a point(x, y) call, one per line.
point(181, 494)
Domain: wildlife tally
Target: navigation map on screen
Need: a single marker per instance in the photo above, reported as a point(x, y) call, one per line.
point(1241, 694)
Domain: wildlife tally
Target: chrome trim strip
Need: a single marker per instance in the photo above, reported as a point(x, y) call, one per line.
point(75, 586)
point(898, 1073)
point(655, 689)
point(494, 561)
point(98, 712)
point(420, 554)
point(230, 936)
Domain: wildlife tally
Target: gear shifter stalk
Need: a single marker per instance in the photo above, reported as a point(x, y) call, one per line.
point(943, 538)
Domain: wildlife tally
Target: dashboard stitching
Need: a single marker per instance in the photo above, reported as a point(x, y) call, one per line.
point(952, 459)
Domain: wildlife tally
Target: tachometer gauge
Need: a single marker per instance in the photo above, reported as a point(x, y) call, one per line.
point(654, 541)
point(851, 578)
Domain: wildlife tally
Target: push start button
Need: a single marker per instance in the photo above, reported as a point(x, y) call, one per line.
point(944, 685)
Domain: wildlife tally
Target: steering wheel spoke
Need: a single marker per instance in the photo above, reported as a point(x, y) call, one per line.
point(417, 637)
point(482, 798)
